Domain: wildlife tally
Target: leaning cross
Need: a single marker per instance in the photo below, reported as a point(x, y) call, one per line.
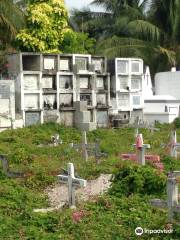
point(72, 182)
point(83, 146)
point(172, 196)
point(140, 149)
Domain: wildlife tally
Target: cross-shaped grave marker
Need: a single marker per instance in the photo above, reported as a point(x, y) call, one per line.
point(72, 182)
point(87, 149)
point(173, 145)
point(172, 196)
point(140, 156)
point(140, 149)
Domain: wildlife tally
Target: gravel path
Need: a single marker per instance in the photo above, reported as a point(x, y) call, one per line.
point(58, 194)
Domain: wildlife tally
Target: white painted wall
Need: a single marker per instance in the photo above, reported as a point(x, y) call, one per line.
point(168, 83)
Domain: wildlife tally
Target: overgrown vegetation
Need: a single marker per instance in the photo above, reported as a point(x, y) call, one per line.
point(114, 215)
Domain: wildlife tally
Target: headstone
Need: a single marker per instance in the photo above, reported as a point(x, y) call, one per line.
point(72, 182)
point(174, 145)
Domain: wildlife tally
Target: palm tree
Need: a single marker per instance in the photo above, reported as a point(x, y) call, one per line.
point(126, 29)
point(11, 20)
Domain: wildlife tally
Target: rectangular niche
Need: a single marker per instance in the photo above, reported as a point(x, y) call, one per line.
point(65, 82)
point(49, 101)
point(49, 62)
point(98, 64)
point(31, 62)
point(102, 118)
point(66, 100)
point(84, 82)
point(100, 82)
point(136, 100)
point(31, 101)
point(123, 82)
point(4, 91)
point(31, 82)
point(101, 99)
point(48, 82)
point(87, 98)
point(81, 63)
point(136, 67)
point(136, 82)
point(32, 118)
point(123, 100)
point(65, 64)
point(122, 66)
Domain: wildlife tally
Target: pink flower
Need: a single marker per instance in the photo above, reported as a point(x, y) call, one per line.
point(77, 216)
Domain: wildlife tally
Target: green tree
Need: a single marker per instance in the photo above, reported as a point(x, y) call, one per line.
point(46, 26)
point(11, 20)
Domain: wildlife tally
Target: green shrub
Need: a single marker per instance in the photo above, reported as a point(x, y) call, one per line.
point(133, 178)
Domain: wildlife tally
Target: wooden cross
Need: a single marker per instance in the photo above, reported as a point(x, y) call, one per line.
point(140, 149)
point(72, 182)
point(172, 196)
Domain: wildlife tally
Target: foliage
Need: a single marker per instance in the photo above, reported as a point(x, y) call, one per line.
point(133, 178)
point(114, 215)
point(75, 42)
point(148, 29)
point(177, 123)
point(46, 25)
point(11, 20)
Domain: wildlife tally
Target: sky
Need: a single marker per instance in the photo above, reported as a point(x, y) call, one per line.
point(78, 4)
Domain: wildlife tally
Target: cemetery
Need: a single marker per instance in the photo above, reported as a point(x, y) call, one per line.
point(89, 120)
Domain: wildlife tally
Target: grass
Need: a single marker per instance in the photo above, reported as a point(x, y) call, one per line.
point(114, 215)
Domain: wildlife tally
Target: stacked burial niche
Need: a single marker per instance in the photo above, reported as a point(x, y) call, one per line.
point(48, 85)
point(126, 90)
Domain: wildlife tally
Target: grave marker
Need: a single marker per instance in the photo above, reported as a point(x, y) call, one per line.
point(89, 149)
point(174, 145)
point(140, 149)
point(72, 182)
point(172, 196)
point(56, 140)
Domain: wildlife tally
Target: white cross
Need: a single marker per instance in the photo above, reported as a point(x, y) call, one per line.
point(72, 182)
point(173, 144)
point(172, 196)
point(140, 149)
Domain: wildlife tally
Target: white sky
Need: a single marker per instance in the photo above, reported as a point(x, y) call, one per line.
point(79, 4)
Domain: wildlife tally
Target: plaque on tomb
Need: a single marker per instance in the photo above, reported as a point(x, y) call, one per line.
point(135, 82)
point(31, 82)
point(84, 82)
point(102, 118)
point(66, 100)
point(47, 82)
point(122, 67)
point(123, 100)
point(49, 101)
point(86, 97)
point(101, 99)
point(5, 105)
point(49, 63)
point(64, 64)
point(81, 63)
point(31, 101)
point(4, 91)
point(98, 65)
point(136, 100)
point(100, 82)
point(65, 82)
point(32, 118)
point(135, 67)
point(123, 82)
